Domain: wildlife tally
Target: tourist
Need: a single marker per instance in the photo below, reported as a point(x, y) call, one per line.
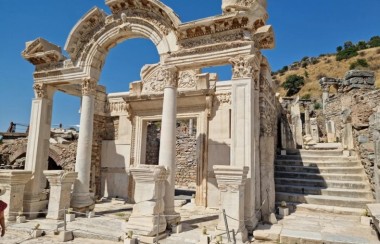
point(3, 206)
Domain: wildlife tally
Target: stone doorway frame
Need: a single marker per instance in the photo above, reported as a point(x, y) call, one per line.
point(139, 149)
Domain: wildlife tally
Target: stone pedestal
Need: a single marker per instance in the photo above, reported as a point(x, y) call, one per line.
point(14, 181)
point(347, 137)
point(231, 183)
point(331, 133)
point(149, 193)
point(314, 129)
point(60, 192)
point(167, 157)
point(82, 200)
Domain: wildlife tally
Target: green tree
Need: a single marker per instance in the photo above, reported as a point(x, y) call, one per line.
point(347, 53)
point(361, 45)
point(293, 84)
point(338, 49)
point(348, 45)
point(374, 41)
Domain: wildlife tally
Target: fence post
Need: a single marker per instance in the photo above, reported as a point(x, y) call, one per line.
point(158, 227)
point(226, 224)
point(64, 219)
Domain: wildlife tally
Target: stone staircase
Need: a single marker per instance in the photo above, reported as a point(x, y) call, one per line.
point(324, 179)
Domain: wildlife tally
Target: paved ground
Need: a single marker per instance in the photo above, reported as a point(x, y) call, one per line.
point(108, 227)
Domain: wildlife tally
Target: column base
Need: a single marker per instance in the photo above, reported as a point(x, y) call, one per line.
point(33, 208)
point(82, 202)
point(241, 235)
point(251, 224)
point(146, 226)
point(173, 218)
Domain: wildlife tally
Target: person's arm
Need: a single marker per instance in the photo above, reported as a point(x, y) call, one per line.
point(2, 223)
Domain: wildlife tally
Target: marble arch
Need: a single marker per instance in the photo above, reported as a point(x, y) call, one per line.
point(237, 117)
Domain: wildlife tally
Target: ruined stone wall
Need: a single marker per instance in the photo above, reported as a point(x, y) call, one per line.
point(186, 147)
point(153, 143)
point(186, 152)
point(356, 104)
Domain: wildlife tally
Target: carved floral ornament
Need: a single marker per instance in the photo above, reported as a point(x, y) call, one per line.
point(245, 66)
point(40, 90)
point(88, 87)
point(222, 98)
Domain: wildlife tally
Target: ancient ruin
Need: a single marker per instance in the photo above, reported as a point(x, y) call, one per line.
point(251, 158)
point(233, 121)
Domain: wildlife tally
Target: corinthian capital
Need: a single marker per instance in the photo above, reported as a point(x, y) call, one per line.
point(245, 66)
point(170, 76)
point(40, 90)
point(88, 87)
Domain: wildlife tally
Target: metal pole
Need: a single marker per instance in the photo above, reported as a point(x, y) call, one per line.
point(226, 224)
point(64, 219)
point(158, 227)
point(234, 236)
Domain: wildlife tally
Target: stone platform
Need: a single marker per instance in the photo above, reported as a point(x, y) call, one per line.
point(108, 225)
point(317, 227)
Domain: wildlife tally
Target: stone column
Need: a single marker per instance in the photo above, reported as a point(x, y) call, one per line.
point(296, 123)
point(81, 196)
point(149, 193)
point(231, 184)
point(307, 119)
point(245, 128)
point(325, 95)
point(14, 182)
point(60, 191)
point(167, 155)
point(308, 139)
point(38, 148)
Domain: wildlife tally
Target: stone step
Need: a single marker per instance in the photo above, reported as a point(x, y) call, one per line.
point(315, 208)
point(323, 200)
point(322, 183)
point(317, 158)
point(324, 191)
point(313, 169)
point(317, 163)
point(324, 176)
point(307, 153)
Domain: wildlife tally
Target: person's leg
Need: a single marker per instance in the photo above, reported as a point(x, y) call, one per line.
point(2, 223)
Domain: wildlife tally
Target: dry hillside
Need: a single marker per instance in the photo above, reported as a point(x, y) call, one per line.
point(328, 66)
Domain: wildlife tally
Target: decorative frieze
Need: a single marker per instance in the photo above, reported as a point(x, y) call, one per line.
point(187, 79)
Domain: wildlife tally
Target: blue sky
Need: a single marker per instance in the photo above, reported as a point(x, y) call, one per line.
point(302, 28)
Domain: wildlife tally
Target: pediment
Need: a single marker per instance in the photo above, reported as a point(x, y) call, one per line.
point(40, 51)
